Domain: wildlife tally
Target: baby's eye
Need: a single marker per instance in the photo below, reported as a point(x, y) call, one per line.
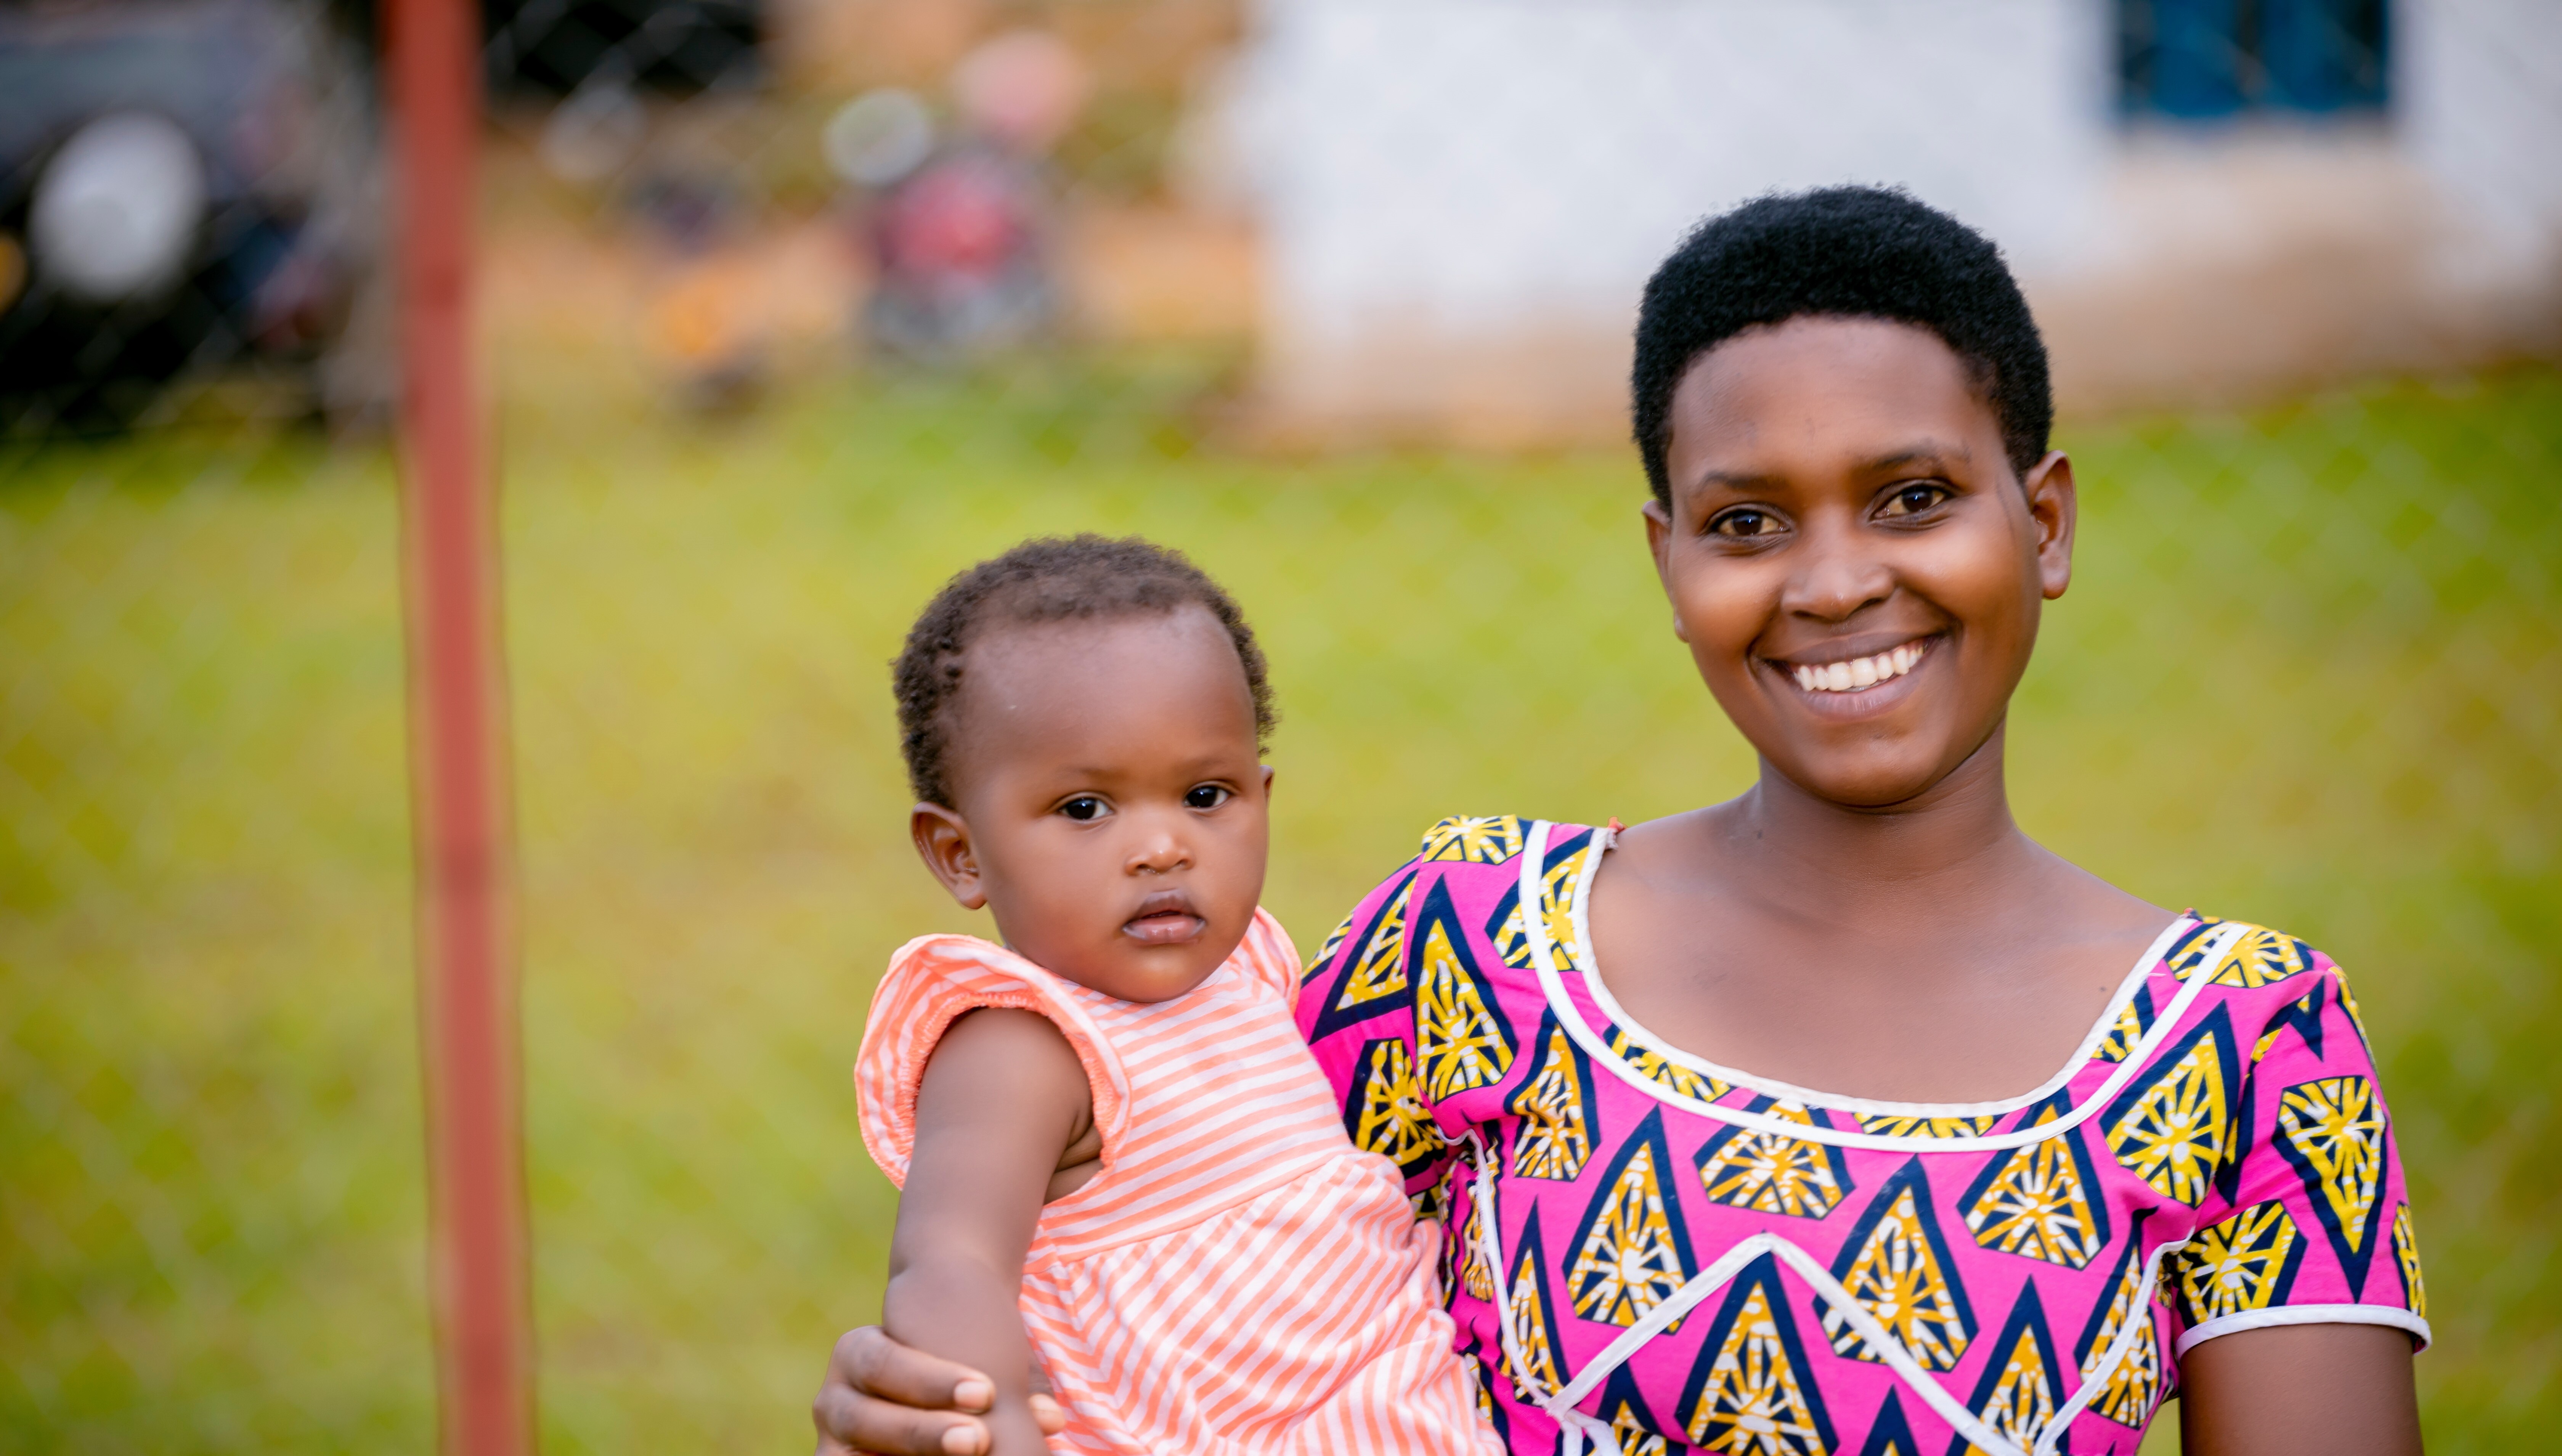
point(1745, 524)
point(1084, 808)
point(1913, 499)
point(1206, 795)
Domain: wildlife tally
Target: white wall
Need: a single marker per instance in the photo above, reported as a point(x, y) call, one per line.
point(1466, 166)
point(2478, 105)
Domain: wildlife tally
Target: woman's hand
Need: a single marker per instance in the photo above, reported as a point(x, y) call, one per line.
point(885, 1398)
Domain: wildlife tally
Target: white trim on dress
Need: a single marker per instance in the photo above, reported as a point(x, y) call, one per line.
point(1581, 1429)
point(2323, 1314)
point(1569, 1017)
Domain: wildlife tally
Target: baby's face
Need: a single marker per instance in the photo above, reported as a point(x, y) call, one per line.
point(1113, 810)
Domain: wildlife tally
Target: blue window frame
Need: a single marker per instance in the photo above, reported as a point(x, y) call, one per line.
point(2200, 60)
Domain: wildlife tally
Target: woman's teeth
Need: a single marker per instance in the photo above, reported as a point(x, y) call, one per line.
point(1859, 672)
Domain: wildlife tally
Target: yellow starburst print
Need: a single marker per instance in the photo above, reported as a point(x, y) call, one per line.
point(1461, 1044)
point(1771, 1173)
point(2021, 1387)
point(1390, 1120)
point(2134, 1018)
point(1379, 968)
point(2036, 1201)
point(1484, 840)
point(2246, 1262)
point(1556, 888)
point(2175, 1129)
point(1898, 1268)
point(2263, 958)
point(2333, 1132)
point(1750, 1393)
point(1632, 1251)
point(1555, 1136)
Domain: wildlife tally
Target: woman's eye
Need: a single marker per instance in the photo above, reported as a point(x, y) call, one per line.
point(1915, 500)
point(1083, 808)
point(1745, 523)
point(1206, 795)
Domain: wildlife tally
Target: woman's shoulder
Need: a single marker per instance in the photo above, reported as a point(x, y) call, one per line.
point(2259, 994)
point(1464, 876)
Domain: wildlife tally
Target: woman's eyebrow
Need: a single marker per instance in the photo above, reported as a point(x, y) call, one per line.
point(1746, 482)
point(1926, 453)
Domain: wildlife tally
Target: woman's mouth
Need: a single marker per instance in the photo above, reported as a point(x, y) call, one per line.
point(1852, 674)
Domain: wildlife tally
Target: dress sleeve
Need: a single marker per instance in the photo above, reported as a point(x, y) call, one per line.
point(2308, 1221)
point(931, 982)
point(1356, 1010)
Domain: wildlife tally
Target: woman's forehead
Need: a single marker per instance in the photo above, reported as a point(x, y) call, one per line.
point(1840, 390)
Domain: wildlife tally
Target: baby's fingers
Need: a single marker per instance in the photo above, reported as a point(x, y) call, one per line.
point(1046, 1412)
point(880, 1396)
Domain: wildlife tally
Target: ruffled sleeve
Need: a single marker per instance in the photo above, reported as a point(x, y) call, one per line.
point(2309, 1220)
point(1269, 958)
point(931, 982)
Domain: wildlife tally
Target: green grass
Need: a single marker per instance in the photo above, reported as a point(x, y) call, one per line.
point(2307, 675)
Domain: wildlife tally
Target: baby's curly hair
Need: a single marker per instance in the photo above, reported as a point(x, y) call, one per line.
point(1047, 579)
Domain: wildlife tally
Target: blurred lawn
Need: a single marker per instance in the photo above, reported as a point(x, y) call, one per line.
point(2311, 673)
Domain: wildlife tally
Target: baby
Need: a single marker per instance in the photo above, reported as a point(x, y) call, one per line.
point(1116, 1155)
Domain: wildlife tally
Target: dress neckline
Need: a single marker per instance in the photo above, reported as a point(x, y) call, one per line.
point(1639, 1038)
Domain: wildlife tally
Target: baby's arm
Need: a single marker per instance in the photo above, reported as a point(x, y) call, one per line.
point(1003, 1101)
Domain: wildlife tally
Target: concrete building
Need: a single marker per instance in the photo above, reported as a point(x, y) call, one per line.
point(1459, 200)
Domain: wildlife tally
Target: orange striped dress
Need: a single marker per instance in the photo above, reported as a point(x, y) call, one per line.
point(1238, 1279)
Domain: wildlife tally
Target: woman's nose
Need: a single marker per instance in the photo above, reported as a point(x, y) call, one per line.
point(1837, 572)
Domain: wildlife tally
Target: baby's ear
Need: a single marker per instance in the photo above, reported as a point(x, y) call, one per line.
point(943, 842)
point(1267, 781)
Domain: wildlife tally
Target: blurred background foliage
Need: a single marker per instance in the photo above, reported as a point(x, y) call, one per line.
point(1294, 296)
point(2304, 675)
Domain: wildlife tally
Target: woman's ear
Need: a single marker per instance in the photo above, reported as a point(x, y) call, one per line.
point(2054, 506)
point(1659, 537)
point(943, 842)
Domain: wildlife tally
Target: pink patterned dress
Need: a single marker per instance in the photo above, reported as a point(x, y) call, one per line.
point(1652, 1253)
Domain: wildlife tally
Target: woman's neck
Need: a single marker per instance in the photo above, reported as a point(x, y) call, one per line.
point(1951, 845)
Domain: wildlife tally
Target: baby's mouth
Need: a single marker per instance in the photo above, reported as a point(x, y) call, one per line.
point(1164, 918)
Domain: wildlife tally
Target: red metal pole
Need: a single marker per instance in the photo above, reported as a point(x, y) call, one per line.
point(466, 970)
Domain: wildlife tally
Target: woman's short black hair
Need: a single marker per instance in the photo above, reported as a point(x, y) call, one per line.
point(1847, 251)
point(1047, 579)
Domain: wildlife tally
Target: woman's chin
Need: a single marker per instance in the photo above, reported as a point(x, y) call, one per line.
point(1867, 781)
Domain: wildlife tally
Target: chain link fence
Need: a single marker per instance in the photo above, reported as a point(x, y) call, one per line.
point(794, 310)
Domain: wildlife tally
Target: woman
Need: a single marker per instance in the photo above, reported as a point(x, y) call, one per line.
point(1842, 1117)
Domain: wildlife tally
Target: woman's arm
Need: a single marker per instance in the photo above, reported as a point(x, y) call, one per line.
point(2300, 1390)
point(1002, 1099)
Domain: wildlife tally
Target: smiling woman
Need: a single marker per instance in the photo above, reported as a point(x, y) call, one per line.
point(1843, 1117)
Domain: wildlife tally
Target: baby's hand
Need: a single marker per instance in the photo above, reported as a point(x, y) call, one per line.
point(885, 1399)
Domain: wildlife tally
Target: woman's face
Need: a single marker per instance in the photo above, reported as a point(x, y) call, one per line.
point(1855, 565)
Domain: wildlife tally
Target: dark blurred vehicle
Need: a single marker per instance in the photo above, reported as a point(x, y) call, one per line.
point(187, 190)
